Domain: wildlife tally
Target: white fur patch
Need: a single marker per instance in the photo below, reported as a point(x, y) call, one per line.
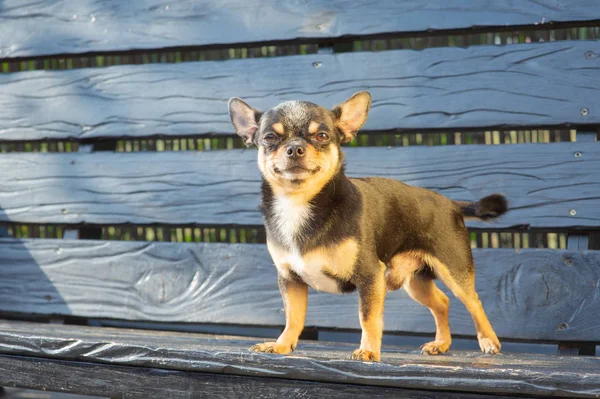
point(290, 218)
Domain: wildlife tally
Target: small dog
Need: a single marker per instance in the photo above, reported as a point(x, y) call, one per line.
point(338, 234)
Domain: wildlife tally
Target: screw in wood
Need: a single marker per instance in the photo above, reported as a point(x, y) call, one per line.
point(584, 111)
point(589, 55)
point(573, 212)
point(578, 154)
point(563, 326)
point(317, 64)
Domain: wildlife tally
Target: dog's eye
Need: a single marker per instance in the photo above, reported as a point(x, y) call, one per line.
point(270, 138)
point(322, 137)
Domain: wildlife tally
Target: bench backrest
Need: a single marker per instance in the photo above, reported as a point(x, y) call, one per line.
point(524, 95)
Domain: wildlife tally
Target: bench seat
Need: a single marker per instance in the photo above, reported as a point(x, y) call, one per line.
point(209, 360)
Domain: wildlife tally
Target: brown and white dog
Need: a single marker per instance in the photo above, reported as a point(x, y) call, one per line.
point(338, 234)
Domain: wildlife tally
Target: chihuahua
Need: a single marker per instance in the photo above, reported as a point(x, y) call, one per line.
point(339, 234)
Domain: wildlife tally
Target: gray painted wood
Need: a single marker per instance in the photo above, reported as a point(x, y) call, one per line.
point(578, 242)
point(55, 27)
point(543, 182)
point(531, 294)
point(143, 383)
point(457, 371)
point(529, 84)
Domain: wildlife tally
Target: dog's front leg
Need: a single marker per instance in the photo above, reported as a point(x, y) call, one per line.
point(295, 300)
point(371, 293)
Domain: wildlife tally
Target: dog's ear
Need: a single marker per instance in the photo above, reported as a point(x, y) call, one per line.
point(352, 114)
point(244, 118)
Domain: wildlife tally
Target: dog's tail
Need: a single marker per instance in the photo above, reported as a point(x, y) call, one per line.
point(487, 208)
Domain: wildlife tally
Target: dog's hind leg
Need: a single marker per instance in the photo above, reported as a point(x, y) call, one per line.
point(460, 279)
point(423, 290)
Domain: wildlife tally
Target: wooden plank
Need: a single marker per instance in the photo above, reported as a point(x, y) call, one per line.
point(322, 362)
point(56, 27)
point(23, 393)
point(531, 294)
point(544, 183)
point(529, 84)
point(141, 382)
point(580, 242)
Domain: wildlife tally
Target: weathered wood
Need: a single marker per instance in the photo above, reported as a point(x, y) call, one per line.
point(528, 84)
point(531, 294)
point(543, 182)
point(140, 382)
point(458, 371)
point(55, 27)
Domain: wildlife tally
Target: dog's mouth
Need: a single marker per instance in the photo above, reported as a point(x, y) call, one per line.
point(295, 170)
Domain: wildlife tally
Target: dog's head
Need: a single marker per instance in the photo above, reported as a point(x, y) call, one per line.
point(299, 142)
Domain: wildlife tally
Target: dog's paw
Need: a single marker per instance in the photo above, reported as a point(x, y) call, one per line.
point(272, 347)
point(365, 355)
point(489, 346)
point(435, 347)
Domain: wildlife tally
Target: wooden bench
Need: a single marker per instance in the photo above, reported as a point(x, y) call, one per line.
point(88, 314)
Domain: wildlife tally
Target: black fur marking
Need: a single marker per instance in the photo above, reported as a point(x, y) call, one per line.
point(426, 273)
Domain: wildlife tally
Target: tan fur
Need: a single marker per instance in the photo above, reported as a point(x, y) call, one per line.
point(371, 322)
point(337, 260)
point(401, 267)
point(313, 127)
point(278, 128)
point(295, 300)
point(318, 266)
point(428, 294)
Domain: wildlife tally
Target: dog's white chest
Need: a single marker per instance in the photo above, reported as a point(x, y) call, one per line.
point(290, 218)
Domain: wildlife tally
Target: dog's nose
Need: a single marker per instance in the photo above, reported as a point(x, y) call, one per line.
point(295, 151)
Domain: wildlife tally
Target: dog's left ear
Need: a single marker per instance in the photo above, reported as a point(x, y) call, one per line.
point(244, 118)
point(352, 114)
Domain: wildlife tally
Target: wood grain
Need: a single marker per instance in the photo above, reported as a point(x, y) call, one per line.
point(57, 27)
point(543, 183)
point(143, 383)
point(518, 85)
point(531, 294)
point(535, 375)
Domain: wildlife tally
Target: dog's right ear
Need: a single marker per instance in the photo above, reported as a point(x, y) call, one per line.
point(244, 118)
